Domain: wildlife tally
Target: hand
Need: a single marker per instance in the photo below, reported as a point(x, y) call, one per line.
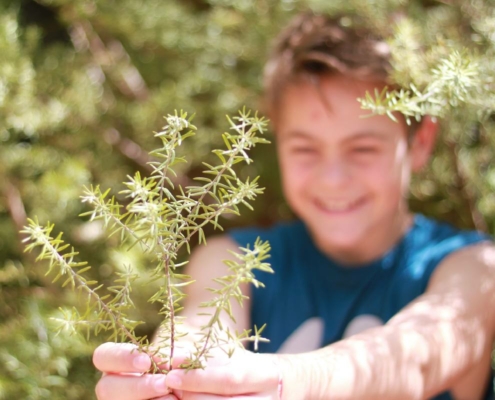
point(124, 374)
point(245, 376)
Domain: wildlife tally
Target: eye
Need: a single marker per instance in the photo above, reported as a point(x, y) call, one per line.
point(303, 150)
point(365, 150)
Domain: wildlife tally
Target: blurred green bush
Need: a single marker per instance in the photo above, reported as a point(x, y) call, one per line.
point(84, 83)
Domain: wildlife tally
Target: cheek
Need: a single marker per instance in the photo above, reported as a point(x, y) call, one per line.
point(295, 178)
point(388, 175)
point(395, 164)
point(393, 179)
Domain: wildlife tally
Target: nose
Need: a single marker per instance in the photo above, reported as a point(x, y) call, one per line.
point(334, 172)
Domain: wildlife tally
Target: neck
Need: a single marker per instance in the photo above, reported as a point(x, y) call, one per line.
point(379, 243)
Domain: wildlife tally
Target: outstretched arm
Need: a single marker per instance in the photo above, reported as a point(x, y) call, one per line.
point(442, 341)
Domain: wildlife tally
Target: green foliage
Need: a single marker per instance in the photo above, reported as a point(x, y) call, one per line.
point(213, 334)
point(82, 82)
point(161, 223)
point(455, 79)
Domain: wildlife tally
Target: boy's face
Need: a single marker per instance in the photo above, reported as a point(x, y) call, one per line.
point(345, 176)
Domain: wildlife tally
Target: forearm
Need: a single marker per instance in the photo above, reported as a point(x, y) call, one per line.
point(364, 368)
point(391, 362)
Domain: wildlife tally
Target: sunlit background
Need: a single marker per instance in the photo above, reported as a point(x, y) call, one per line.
point(83, 85)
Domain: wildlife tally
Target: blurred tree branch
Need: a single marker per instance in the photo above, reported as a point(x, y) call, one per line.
point(467, 194)
point(135, 153)
point(111, 58)
point(15, 205)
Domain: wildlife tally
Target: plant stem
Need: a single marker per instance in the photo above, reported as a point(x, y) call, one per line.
point(170, 299)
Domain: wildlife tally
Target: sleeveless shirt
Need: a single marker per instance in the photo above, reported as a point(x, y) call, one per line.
point(312, 301)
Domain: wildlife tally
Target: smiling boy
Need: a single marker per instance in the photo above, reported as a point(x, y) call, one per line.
point(368, 300)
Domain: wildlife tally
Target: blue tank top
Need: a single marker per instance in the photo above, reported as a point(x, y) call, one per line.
point(311, 301)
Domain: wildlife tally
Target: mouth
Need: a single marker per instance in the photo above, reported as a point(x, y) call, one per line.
point(339, 207)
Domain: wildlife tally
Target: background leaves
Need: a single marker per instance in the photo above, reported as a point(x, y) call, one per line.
point(84, 83)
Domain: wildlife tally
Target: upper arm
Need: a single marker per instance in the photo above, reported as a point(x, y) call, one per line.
point(452, 324)
point(206, 264)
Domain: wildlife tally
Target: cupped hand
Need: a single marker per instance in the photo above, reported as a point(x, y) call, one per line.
point(245, 376)
point(124, 374)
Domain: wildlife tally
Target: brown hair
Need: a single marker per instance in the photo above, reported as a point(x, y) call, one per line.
point(315, 45)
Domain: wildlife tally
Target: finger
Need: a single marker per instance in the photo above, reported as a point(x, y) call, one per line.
point(207, 396)
point(120, 358)
point(250, 374)
point(127, 387)
point(175, 395)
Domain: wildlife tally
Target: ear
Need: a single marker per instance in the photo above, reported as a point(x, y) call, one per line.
point(423, 142)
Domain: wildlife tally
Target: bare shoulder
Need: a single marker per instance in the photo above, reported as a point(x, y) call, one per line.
point(216, 248)
point(464, 284)
point(206, 264)
point(207, 260)
point(455, 319)
point(483, 253)
point(465, 280)
point(472, 265)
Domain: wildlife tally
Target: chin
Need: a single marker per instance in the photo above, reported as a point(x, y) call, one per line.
point(338, 242)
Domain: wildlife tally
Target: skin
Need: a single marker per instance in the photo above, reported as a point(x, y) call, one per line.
point(347, 178)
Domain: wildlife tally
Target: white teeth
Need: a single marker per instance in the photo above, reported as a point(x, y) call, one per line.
point(338, 205)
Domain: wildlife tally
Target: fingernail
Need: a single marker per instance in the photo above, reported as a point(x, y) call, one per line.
point(160, 385)
point(174, 381)
point(141, 362)
point(178, 393)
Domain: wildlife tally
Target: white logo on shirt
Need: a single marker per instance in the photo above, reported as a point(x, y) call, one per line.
point(361, 323)
point(309, 335)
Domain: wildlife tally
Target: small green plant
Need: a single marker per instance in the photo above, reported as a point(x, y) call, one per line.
point(163, 219)
point(456, 78)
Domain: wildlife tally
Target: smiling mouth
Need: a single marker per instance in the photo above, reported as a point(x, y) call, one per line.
point(340, 206)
